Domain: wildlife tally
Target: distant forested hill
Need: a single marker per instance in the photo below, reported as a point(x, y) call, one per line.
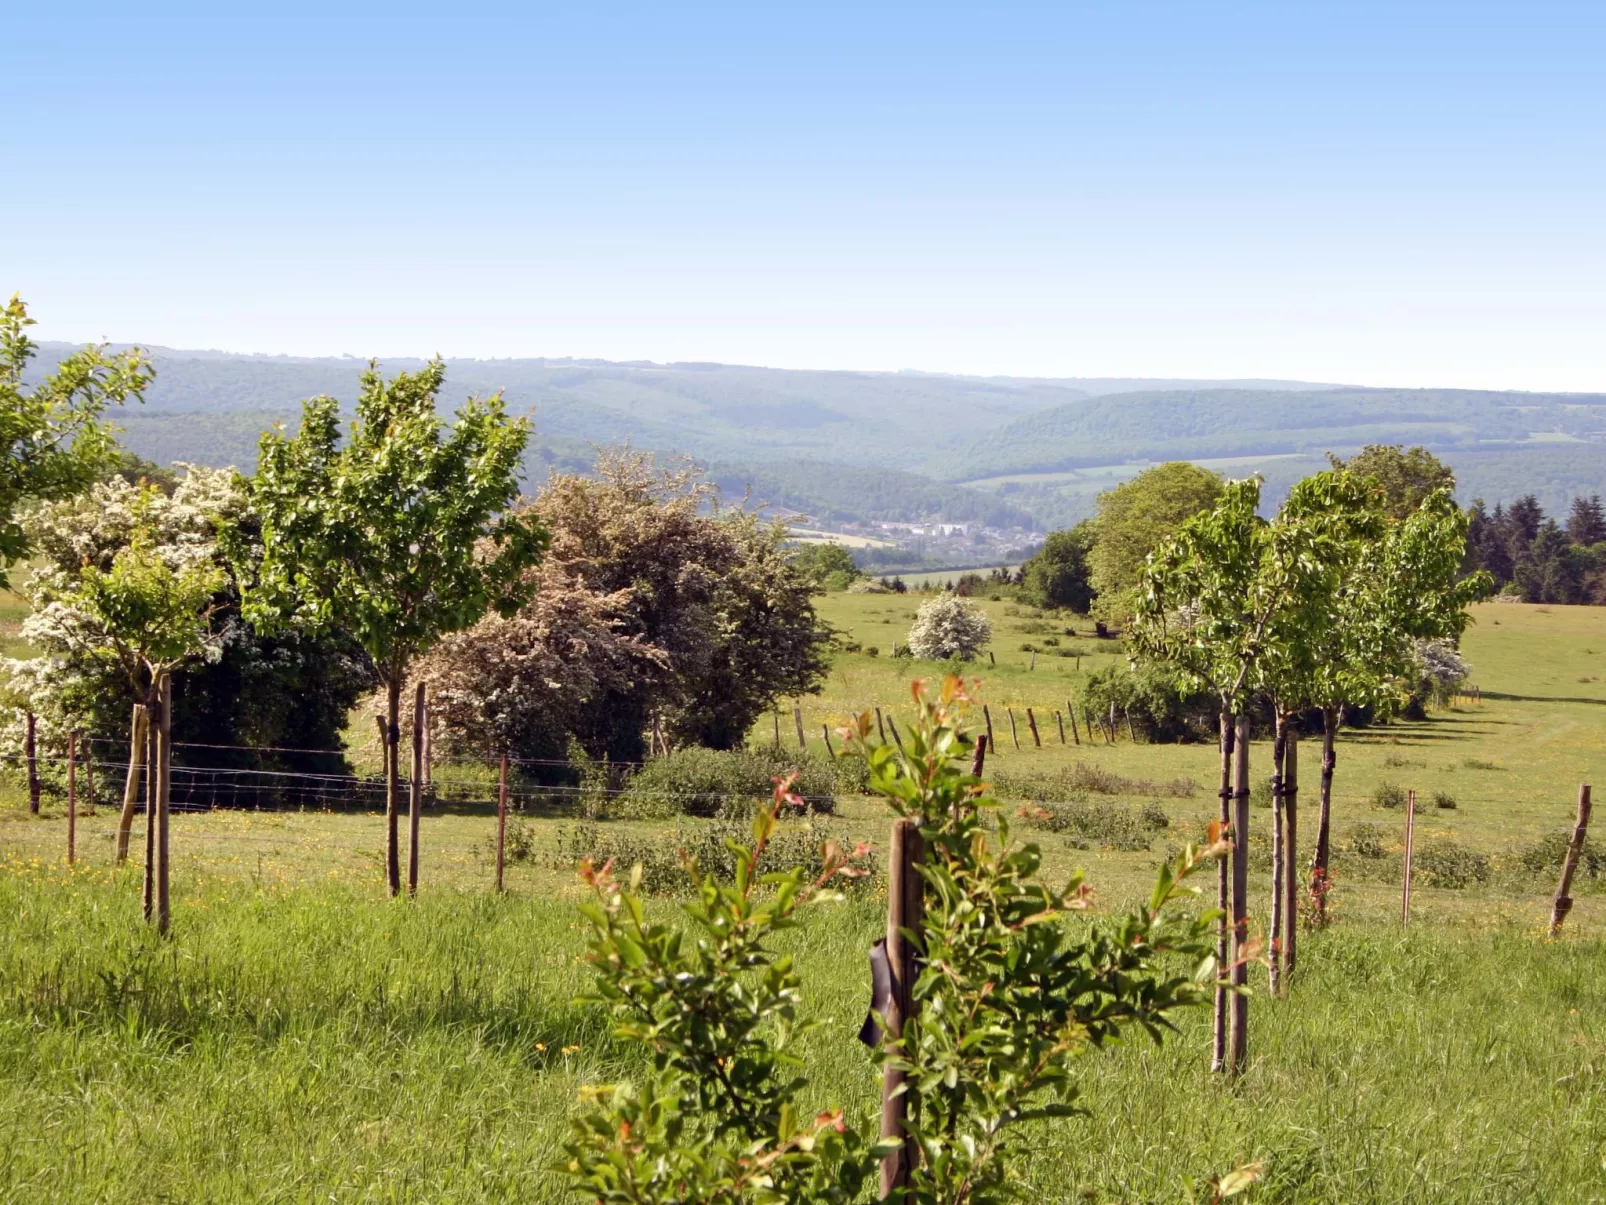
point(857, 445)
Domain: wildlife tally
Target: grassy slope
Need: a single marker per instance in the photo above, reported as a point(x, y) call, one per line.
point(302, 1038)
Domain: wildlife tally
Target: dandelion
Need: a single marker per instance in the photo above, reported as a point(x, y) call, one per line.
point(570, 1049)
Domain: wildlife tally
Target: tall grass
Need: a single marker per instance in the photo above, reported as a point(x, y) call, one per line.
point(318, 1043)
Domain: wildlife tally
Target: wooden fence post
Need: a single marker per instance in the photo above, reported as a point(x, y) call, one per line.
point(1238, 1006)
point(825, 731)
point(991, 660)
point(1033, 664)
point(164, 787)
point(1131, 732)
point(893, 728)
point(797, 716)
point(415, 790)
point(1290, 852)
point(905, 911)
point(777, 729)
point(89, 775)
point(1031, 722)
point(979, 761)
point(1410, 840)
point(1070, 710)
point(428, 776)
point(988, 716)
point(501, 818)
point(1014, 733)
point(1060, 720)
point(152, 711)
point(72, 797)
point(31, 752)
point(880, 727)
point(1575, 848)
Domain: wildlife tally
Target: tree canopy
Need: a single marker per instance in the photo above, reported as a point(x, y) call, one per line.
point(1133, 519)
point(1059, 574)
point(1406, 476)
point(53, 442)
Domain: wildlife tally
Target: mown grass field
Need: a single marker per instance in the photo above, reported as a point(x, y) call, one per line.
point(303, 1038)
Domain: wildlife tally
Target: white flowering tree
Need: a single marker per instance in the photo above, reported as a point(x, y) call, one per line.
point(947, 627)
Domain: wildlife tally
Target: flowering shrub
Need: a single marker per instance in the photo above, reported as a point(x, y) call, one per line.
point(949, 627)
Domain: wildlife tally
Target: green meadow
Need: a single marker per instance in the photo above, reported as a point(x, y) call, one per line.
point(302, 1038)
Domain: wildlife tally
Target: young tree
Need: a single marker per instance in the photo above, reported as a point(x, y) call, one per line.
point(1215, 597)
point(826, 564)
point(1586, 522)
point(52, 440)
point(1405, 476)
point(1011, 992)
point(398, 535)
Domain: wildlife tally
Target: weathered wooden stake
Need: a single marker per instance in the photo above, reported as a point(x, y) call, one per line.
point(1274, 965)
point(1014, 734)
point(905, 912)
point(1575, 848)
point(415, 790)
point(988, 716)
point(1033, 664)
point(31, 752)
point(1070, 710)
point(501, 819)
point(777, 729)
point(1131, 732)
point(164, 788)
point(72, 797)
point(825, 731)
point(148, 899)
point(1410, 842)
point(979, 761)
point(880, 727)
point(1218, 1045)
point(991, 660)
point(1060, 720)
point(797, 717)
point(1031, 722)
point(1238, 1010)
point(893, 728)
point(1290, 854)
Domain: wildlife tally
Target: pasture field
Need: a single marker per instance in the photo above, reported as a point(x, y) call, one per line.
point(303, 1038)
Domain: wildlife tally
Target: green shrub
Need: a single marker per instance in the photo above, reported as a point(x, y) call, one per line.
point(1260, 793)
point(1069, 782)
point(1393, 796)
point(1157, 700)
point(1366, 841)
point(1112, 825)
point(714, 782)
point(1445, 862)
point(1443, 799)
point(662, 856)
point(1545, 856)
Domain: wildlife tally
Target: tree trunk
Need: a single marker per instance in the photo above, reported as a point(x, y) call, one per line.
point(136, 761)
point(151, 739)
point(1278, 861)
point(1290, 853)
point(415, 789)
point(163, 748)
point(1218, 1054)
point(1319, 881)
point(392, 773)
point(1238, 1018)
point(31, 752)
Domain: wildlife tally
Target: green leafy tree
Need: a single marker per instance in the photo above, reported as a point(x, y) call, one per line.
point(1133, 520)
point(1059, 575)
point(828, 565)
point(53, 442)
point(397, 535)
point(1011, 993)
point(1406, 476)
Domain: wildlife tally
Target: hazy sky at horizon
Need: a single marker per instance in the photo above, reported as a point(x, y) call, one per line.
point(1392, 193)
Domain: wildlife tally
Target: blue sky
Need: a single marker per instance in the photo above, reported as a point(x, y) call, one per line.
point(1402, 193)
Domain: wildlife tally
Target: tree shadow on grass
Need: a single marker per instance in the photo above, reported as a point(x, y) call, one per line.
point(1492, 694)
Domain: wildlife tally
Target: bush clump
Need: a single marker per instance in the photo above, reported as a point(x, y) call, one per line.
point(1069, 782)
point(1366, 841)
point(715, 782)
point(1111, 825)
point(1446, 862)
point(1393, 796)
point(662, 856)
point(1157, 700)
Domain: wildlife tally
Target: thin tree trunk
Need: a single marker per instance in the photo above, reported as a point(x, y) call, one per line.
point(1278, 862)
point(1290, 853)
point(31, 752)
point(164, 787)
point(1218, 1054)
point(415, 790)
point(1238, 1019)
point(392, 789)
point(72, 797)
point(501, 819)
point(151, 722)
point(136, 761)
point(1319, 881)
